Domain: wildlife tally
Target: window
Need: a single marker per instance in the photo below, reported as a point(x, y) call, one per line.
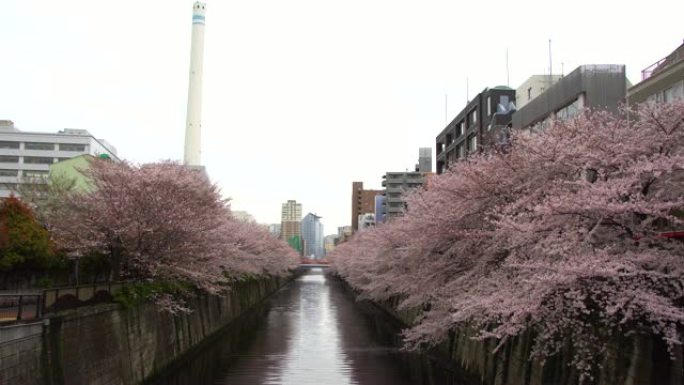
point(460, 129)
point(504, 104)
point(568, 111)
point(529, 94)
point(8, 144)
point(472, 143)
point(473, 116)
point(489, 105)
point(5, 172)
point(35, 173)
point(39, 146)
point(37, 160)
point(9, 159)
point(449, 140)
point(71, 147)
point(461, 152)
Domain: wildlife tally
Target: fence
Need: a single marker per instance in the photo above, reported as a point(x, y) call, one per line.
point(17, 307)
point(31, 306)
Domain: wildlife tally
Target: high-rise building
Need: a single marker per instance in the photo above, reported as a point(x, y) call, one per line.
point(396, 184)
point(312, 236)
point(363, 201)
point(290, 223)
point(25, 157)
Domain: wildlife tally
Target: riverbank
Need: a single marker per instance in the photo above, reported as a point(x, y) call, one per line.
point(631, 360)
point(110, 345)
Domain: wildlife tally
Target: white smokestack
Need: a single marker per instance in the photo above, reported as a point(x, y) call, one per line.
point(193, 128)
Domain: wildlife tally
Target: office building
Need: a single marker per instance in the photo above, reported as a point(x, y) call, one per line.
point(312, 236)
point(663, 81)
point(291, 224)
point(379, 208)
point(363, 201)
point(25, 157)
point(396, 185)
point(482, 123)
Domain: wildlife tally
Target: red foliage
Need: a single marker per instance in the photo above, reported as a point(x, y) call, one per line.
point(542, 238)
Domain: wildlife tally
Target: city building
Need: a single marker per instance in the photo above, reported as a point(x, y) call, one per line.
point(396, 184)
point(343, 233)
point(25, 157)
point(597, 86)
point(274, 229)
point(379, 208)
point(533, 87)
point(663, 81)
point(329, 243)
point(290, 224)
point(312, 236)
point(363, 201)
point(366, 220)
point(424, 159)
point(483, 122)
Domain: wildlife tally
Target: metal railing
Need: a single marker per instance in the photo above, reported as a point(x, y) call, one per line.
point(18, 307)
point(32, 306)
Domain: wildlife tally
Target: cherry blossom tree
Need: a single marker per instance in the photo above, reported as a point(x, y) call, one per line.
point(559, 233)
point(165, 221)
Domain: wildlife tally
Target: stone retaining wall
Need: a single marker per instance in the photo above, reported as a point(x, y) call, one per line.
point(108, 345)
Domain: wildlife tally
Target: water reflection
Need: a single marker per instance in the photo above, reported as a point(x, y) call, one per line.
point(310, 332)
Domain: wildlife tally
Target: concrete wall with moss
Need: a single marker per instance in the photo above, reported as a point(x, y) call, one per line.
point(635, 359)
point(108, 345)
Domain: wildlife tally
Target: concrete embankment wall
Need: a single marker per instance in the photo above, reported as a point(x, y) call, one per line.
point(629, 360)
point(108, 345)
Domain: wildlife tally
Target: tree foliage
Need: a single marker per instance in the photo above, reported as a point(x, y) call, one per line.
point(24, 242)
point(165, 221)
point(558, 234)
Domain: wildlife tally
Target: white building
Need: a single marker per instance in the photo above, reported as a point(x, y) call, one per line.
point(366, 220)
point(533, 87)
point(25, 157)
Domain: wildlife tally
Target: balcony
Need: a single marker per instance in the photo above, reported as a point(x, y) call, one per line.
point(673, 58)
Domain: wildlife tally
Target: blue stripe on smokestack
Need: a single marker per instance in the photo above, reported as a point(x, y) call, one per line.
point(197, 19)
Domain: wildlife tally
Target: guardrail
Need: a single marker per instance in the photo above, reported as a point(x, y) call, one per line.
point(32, 306)
point(18, 307)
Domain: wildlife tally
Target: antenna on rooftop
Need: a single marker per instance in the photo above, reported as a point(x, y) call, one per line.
point(508, 78)
point(550, 66)
point(467, 96)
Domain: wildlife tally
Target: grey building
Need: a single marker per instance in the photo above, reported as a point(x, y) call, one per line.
point(598, 86)
point(25, 157)
point(312, 236)
point(480, 124)
point(663, 81)
point(396, 184)
point(424, 159)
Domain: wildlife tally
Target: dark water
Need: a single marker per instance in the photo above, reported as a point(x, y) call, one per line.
point(310, 332)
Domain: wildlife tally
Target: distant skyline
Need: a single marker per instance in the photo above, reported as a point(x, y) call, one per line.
point(301, 97)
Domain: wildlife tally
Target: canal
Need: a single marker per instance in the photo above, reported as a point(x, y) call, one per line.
point(310, 332)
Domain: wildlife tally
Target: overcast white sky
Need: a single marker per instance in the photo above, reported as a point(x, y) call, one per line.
point(301, 97)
